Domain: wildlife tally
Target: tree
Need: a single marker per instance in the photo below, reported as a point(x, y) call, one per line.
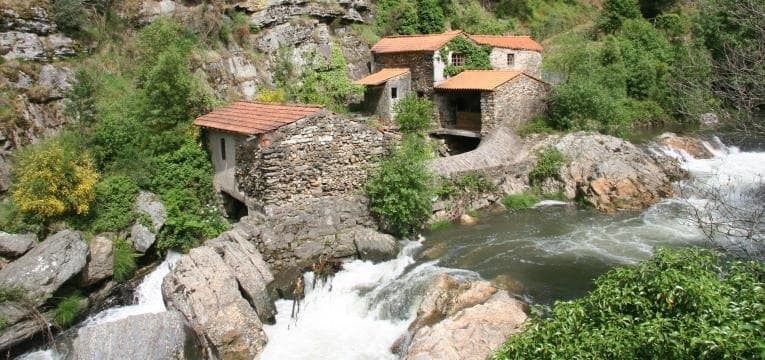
point(53, 178)
point(329, 85)
point(413, 114)
point(81, 103)
point(615, 12)
point(431, 16)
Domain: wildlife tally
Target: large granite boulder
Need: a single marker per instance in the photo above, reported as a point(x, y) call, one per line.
point(248, 266)
point(692, 146)
point(144, 235)
point(100, 260)
point(610, 173)
point(205, 290)
point(46, 267)
point(373, 245)
point(15, 245)
point(460, 319)
point(164, 335)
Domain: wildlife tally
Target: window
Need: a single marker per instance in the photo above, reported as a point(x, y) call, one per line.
point(222, 149)
point(393, 93)
point(510, 59)
point(458, 59)
point(420, 94)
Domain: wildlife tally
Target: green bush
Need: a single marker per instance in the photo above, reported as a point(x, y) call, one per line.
point(430, 16)
point(70, 16)
point(549, 162)
point(476, 181)
point(67, 310)
point(413, 114)
point(330, 85)
point(189, 221)
point(687, 304)
point(113, 207)
point(537, 125)
point(400, 189)
point(124, 260)
point(615, 12)
point(187, 168)
point(13, 220)
point(520, 201)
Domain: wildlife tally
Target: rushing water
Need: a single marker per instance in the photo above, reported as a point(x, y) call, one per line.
point(548, 253)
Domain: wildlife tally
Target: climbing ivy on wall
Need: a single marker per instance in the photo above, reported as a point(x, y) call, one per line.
point(476, 56)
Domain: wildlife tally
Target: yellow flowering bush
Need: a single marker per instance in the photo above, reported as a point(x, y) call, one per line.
point(53, 178)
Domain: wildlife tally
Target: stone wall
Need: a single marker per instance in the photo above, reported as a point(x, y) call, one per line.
point(512, 104)
point(419, 63)
point(526, 61)
point(324, 155)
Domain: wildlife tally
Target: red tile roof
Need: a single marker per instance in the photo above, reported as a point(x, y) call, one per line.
point(413, 43)
point(508, 42)
point(482, 80)
point(381, 76)
point(252, 118)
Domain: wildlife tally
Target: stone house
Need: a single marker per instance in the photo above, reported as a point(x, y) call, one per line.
point(384, 88)
point(274, 154)
point(474, 102)
point(520, 53)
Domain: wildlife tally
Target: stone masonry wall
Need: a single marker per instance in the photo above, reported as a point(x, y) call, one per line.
point(419, 63)
point(512, 104)
point(378, 98)
point(526, 61)
point(325, 155)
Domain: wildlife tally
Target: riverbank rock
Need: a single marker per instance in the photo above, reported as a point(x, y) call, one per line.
point(373, 245)
point(42, 270)
point(466, 219)
point(100, 260)
point(609, 173)
point(461, 320)
point(690, 145)
point(163, 335)
point(15, 245)
point(205, 290)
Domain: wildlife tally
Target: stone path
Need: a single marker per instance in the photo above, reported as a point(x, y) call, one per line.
point(501, 147)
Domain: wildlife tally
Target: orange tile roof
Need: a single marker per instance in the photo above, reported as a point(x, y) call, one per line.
point(483, 80)
point(508, 42)
point(414, 43)
point(252, 118)
point(381, 76)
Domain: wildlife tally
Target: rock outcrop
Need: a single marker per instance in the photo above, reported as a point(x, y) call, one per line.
point(461, 320)
point(100, 260)
point(205, 290)
point(46, 267)
point(164, 335)
point(144, 235)
point(15, 245)
point(690, 145)
point(607, 172)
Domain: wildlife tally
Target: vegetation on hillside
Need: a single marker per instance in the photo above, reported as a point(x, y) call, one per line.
point(687, 304)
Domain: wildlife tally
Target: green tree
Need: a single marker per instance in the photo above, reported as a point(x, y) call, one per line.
point(81, 101)
point(70, 16)
point(408, 22)
point(329, 85)
point(615, 12)
point(431, 16)
point(413, 114)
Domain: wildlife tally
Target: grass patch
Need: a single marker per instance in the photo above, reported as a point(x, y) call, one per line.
point(520, 201)
point(537, 125)
point(440, 225)
point(68, 310)
point(124, 260)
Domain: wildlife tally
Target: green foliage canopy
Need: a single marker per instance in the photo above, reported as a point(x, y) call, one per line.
point(413, 114)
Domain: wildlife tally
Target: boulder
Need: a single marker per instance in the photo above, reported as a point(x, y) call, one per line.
point(446, 295)
point(472, 333)
point(15, 245)
point(373, 245)
point(141, 237)
point(164, 335)
point(690, 145)
point(466, 219)
point(150, 204)
point(610, 173)
point(100, 260)
point(248, 267)
point(205, 290)
point(42, 270)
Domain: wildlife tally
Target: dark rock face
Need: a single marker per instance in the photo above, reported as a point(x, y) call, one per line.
point(205, 290)
point(46, 267)
point(15, 245)
point(164, 335)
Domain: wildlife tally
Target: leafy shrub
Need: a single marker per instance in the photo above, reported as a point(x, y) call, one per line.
point(189, 221)
point(413, 114)
point(687, 304)
point(113, 206)
point(549, 162)
point(520, 201)
point(537, 125)
point(430, 16)
point(53, 178)
point(330, 85)
point(473, 18)
point(123, 261)
point(400, 189)
point(615, 12)
point(187, 168)
point(476, 181)
point(70, 16)
point(272, 96)
point(13, 220)
point(80, 105)
point(67, 310)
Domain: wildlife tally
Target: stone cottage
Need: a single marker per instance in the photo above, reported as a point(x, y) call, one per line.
point(275, 154)
point(384, 88)
point(520, 53)
point(474, 102)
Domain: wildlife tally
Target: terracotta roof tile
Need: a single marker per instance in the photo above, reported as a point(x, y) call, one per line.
point(483, 80)
point(381, 76)
point(508, 42)
point(413, 43)
point(252, 118)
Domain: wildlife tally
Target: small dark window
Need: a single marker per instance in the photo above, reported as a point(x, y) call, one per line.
point(393, 93)
point(458, 59)
point(222, 149)
point(510, 59)
point(420, 94)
